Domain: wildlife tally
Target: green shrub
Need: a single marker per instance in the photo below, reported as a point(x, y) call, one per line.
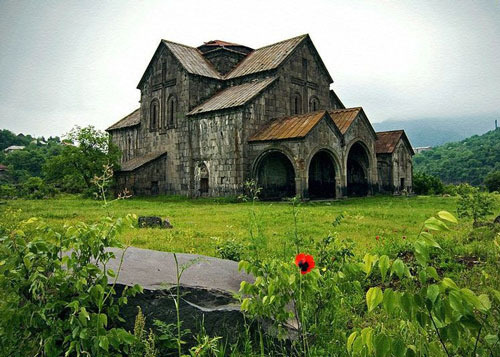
point(424, 184)
point(36, 188)
point(492, 181)
point(230, 249)
point(8, 191)
point(55, 303)
point(474, 204)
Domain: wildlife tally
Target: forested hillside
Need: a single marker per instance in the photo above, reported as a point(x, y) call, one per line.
point(469, 160)
point(439, 131)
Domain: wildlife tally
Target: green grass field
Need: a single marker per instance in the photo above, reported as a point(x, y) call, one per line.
point(200, 223)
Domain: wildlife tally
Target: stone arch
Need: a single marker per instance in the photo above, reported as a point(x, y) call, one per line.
point(204, 179)
point(358, 166)
point(313, 104)
point(275, 175)
point(154, 110)
point(322, 174)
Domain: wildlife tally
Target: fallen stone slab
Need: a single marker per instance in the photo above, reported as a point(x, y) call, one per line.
point(207, 290)
point(156, 270)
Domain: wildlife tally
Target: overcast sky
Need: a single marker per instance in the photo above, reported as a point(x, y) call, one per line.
point(64, 63)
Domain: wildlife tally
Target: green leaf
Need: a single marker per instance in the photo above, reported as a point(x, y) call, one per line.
point(447, 216)
point(367, 338)
point(111, 273)
point(382, 345)
point(491, 339)
point(103, 343)
point(369, 261)
point(485, 302)
point(435, 224)
point(421, 253)
point(350, 340)
point(374, 297)
point(398, 267)
point(456, 303)
point(432, 292)
point(244, 304)
point(390, 301)
point(384, 265)
point(431, 271)
point(447, 283)
point(103, 320)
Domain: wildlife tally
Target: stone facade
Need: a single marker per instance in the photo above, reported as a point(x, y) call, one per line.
point(203, 126)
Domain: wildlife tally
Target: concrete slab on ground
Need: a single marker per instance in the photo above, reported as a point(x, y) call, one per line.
point(155, 270)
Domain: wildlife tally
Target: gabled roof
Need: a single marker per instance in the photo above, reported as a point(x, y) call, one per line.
point(388, 140)
point(343, 118)
point(130, 120)
point(293, 127)
point(234, 96)
point(266, 58)
point(137, 162)
point(192, 60)
point(189, 57)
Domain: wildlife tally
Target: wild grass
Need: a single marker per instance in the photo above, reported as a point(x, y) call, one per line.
point(199, 224)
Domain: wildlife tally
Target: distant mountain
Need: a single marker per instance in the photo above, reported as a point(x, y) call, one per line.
point(469, 160)
point(438, 131)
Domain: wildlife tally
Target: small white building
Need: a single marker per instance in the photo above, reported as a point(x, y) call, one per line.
point(13, 148)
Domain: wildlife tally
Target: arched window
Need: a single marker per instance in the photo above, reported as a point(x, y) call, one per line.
point(153, 115)
point(313, 104)
point(171, 111)
point(296, 104)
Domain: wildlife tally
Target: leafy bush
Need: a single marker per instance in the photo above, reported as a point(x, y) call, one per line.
point(54, 297)
point(7, 191)
point(230, 249)
point(474, 204)
point(36, 188)
point(424, 184)
point(492, 181)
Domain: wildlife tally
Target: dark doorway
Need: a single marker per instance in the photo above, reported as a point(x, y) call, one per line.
point(402, 183)
point(203, 179)
point(154, 188)
point(321, 176)
point(357, 171)
point(276, 176)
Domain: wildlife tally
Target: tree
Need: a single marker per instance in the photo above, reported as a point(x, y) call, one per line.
point(492, 181)
point(474, 204)
point(424, 184)
point(86, 152)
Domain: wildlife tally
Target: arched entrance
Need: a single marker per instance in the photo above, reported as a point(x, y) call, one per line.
point(275, 176)
point(357, 171)
point(203, 179)
point(322, 176)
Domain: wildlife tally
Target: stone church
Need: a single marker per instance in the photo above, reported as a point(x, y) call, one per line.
point(212, 117)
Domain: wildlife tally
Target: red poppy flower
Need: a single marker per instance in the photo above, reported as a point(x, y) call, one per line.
point(377, 237)
point(305, 262)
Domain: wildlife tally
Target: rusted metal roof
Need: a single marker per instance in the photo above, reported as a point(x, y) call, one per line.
point(220, 43)
point(343, 118)
point(137, 162)
point(388, 140)
point(293, 127)
point(234, 96)
point(130, 120)
point(266, 58)
point(192, 60)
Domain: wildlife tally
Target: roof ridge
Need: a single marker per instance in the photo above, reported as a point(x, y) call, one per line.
point(390, 131)
point(178, 43)
point(276, 43)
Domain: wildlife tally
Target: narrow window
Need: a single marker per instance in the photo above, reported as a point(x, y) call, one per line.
point(171, 111)
point(296, 104)
point(154, 115)
point(164, 71)
point(314, 104)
